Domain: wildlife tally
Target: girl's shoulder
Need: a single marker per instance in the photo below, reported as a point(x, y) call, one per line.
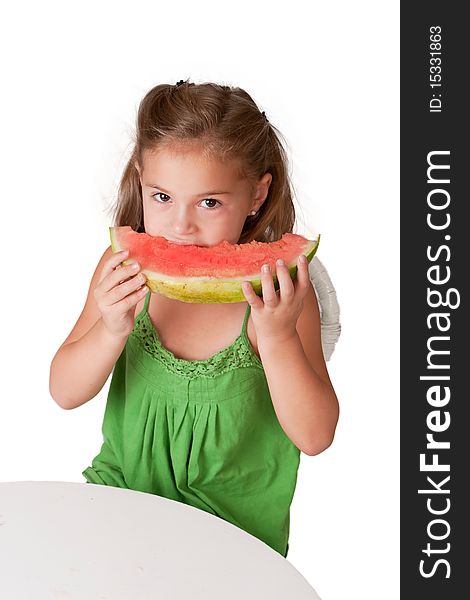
point(309, 331)
point(104, 257)
point(96, 277)
point(90, 312)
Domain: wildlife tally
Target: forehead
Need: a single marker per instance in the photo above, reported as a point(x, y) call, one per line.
point(192, 160)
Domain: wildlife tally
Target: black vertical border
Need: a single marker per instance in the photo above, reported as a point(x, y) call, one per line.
point(421, 132)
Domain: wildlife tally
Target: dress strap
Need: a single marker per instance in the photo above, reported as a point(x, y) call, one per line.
point(146, 303)
point(245, 320)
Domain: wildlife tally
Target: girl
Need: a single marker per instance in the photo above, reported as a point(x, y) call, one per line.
point(209, 405)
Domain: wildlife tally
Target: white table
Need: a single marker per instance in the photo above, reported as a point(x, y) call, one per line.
point(79, 541)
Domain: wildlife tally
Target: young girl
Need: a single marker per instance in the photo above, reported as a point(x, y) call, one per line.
point(209, 405)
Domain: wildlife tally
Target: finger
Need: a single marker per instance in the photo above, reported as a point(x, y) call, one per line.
point(267, 286)
point(131, 300)
point(120, 275)
point(113, 261)
point(250, 295)
point(302, 282)
point(286, 285)
point(123, 290)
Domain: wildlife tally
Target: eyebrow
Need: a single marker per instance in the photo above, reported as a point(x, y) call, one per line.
point(159, 187)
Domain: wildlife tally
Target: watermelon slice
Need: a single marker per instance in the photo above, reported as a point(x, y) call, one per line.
point(208, 274)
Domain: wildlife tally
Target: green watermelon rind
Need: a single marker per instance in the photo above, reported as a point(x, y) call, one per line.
point(210, 290)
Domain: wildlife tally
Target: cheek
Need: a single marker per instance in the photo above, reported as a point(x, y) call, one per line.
point(232, 229)
point(150, 223)
point(145, 214)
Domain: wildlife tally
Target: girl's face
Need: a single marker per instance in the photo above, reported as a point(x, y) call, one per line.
point(193, 200)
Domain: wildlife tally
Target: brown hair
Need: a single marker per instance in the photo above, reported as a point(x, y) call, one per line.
point(228, 125)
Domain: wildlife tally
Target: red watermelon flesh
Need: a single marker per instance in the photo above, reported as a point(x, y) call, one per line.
point(208, 274)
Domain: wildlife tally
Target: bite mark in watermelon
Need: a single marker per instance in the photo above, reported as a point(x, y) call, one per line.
point(212, 274)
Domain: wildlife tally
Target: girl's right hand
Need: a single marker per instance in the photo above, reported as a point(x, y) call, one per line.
point(118, 292)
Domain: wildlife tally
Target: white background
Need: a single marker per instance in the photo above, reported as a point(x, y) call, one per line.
point(326, 75)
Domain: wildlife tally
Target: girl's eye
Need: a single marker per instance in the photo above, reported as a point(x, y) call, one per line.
point(160, 194)
point(211, 200)
point(160, 200)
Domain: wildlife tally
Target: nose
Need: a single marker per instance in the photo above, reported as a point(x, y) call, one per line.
point(184, 221)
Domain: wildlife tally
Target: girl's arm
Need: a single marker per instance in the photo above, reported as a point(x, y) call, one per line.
point(301, 391)
point(287, 324)
point(86, 358)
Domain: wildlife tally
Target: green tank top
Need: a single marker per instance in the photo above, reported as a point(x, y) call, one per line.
point(201, 432)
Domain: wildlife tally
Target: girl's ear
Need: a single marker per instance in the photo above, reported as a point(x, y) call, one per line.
point(262, 189)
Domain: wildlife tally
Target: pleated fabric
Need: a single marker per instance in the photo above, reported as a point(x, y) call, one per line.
point(200, 432)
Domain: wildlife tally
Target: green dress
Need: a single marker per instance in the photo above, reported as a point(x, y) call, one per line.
point(202, 432)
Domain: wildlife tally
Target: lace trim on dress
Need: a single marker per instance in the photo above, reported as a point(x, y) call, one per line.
point(237, 355)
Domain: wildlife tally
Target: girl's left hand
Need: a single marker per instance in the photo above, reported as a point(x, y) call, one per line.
point(275, 315)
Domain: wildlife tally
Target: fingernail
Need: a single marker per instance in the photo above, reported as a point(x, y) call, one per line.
point(134, 266)
point(280, 262)
point(303, 259)
point(265, 268)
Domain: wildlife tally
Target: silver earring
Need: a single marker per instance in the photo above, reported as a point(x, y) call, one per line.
point(253, 212)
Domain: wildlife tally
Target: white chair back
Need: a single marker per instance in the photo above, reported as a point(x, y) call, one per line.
point(328, 304)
